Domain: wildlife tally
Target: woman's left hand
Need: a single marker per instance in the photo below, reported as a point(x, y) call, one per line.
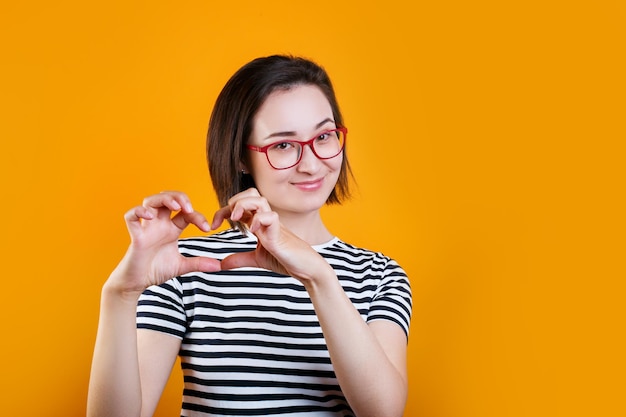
point(278, 249)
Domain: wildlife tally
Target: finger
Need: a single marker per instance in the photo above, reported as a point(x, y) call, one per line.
point(264, 220)
point(134, 218)
point(182, 220)
point(172, 200)
point(238, 209)
point(219, 217)
point(245, 208)
point(250, 192)
point(233, 211)
point(199, 264)
point(251, 260)
point(182, 199)
point(240, 260)
point(137, 213)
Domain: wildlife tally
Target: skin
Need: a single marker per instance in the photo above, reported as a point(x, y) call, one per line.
point(131, 367)
point(296, 114)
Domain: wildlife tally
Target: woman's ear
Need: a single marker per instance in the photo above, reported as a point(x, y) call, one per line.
point(245, 180)
point(242, 168)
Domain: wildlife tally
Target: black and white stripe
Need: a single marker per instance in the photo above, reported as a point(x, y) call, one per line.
point(251, 341)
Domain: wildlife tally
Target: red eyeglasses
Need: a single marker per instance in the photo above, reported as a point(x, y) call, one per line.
point(288, 153)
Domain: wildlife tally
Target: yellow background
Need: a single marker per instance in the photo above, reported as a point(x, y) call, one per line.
point(486, 138)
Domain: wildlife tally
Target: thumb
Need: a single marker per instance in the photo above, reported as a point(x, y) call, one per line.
point(240, 260)
point(199, 264)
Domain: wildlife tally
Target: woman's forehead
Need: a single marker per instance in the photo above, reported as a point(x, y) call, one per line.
point(299, 109)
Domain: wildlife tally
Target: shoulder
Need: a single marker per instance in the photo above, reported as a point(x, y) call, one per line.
point(338, 251)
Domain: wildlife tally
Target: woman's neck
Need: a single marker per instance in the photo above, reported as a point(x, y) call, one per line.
point(308, 227)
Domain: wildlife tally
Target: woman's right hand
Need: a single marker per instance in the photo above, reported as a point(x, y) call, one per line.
point(153, 257)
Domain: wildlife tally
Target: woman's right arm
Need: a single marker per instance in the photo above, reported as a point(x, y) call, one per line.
point(115, 387)
point(130, 367)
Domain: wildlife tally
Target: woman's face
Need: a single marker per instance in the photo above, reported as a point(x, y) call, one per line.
point(299, 114)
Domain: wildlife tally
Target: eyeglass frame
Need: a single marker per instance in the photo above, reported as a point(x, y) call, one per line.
point(263, 149)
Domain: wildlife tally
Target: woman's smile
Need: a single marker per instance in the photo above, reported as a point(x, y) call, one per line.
point(297, 114)
point(310, 185)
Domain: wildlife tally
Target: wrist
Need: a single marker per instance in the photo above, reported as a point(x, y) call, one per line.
point(325, 280)
point(115, 289)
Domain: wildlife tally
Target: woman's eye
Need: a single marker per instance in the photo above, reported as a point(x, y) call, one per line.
point(281, 146)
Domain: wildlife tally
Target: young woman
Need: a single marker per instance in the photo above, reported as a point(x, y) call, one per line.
point(276, 315)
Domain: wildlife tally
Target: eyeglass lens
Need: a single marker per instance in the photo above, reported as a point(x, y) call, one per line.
point(287, 154)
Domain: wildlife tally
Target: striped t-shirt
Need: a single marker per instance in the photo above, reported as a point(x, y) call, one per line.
point(251, 341)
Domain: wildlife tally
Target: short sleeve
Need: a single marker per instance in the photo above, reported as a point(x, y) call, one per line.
point(160, 308)
point(392, 300)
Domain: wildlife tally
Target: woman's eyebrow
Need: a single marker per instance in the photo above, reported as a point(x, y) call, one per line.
point(282, 134)
point(291, 133)
point(323, 122)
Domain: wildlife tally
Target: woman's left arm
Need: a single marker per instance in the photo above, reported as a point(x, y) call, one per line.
point(369, 359)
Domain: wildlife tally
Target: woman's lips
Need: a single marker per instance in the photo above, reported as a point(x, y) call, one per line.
point(309, 185)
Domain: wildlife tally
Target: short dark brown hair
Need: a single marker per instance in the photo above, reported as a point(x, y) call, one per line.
point(231, 122)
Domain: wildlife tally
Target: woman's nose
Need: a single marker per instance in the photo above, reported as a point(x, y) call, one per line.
point(309, 161)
